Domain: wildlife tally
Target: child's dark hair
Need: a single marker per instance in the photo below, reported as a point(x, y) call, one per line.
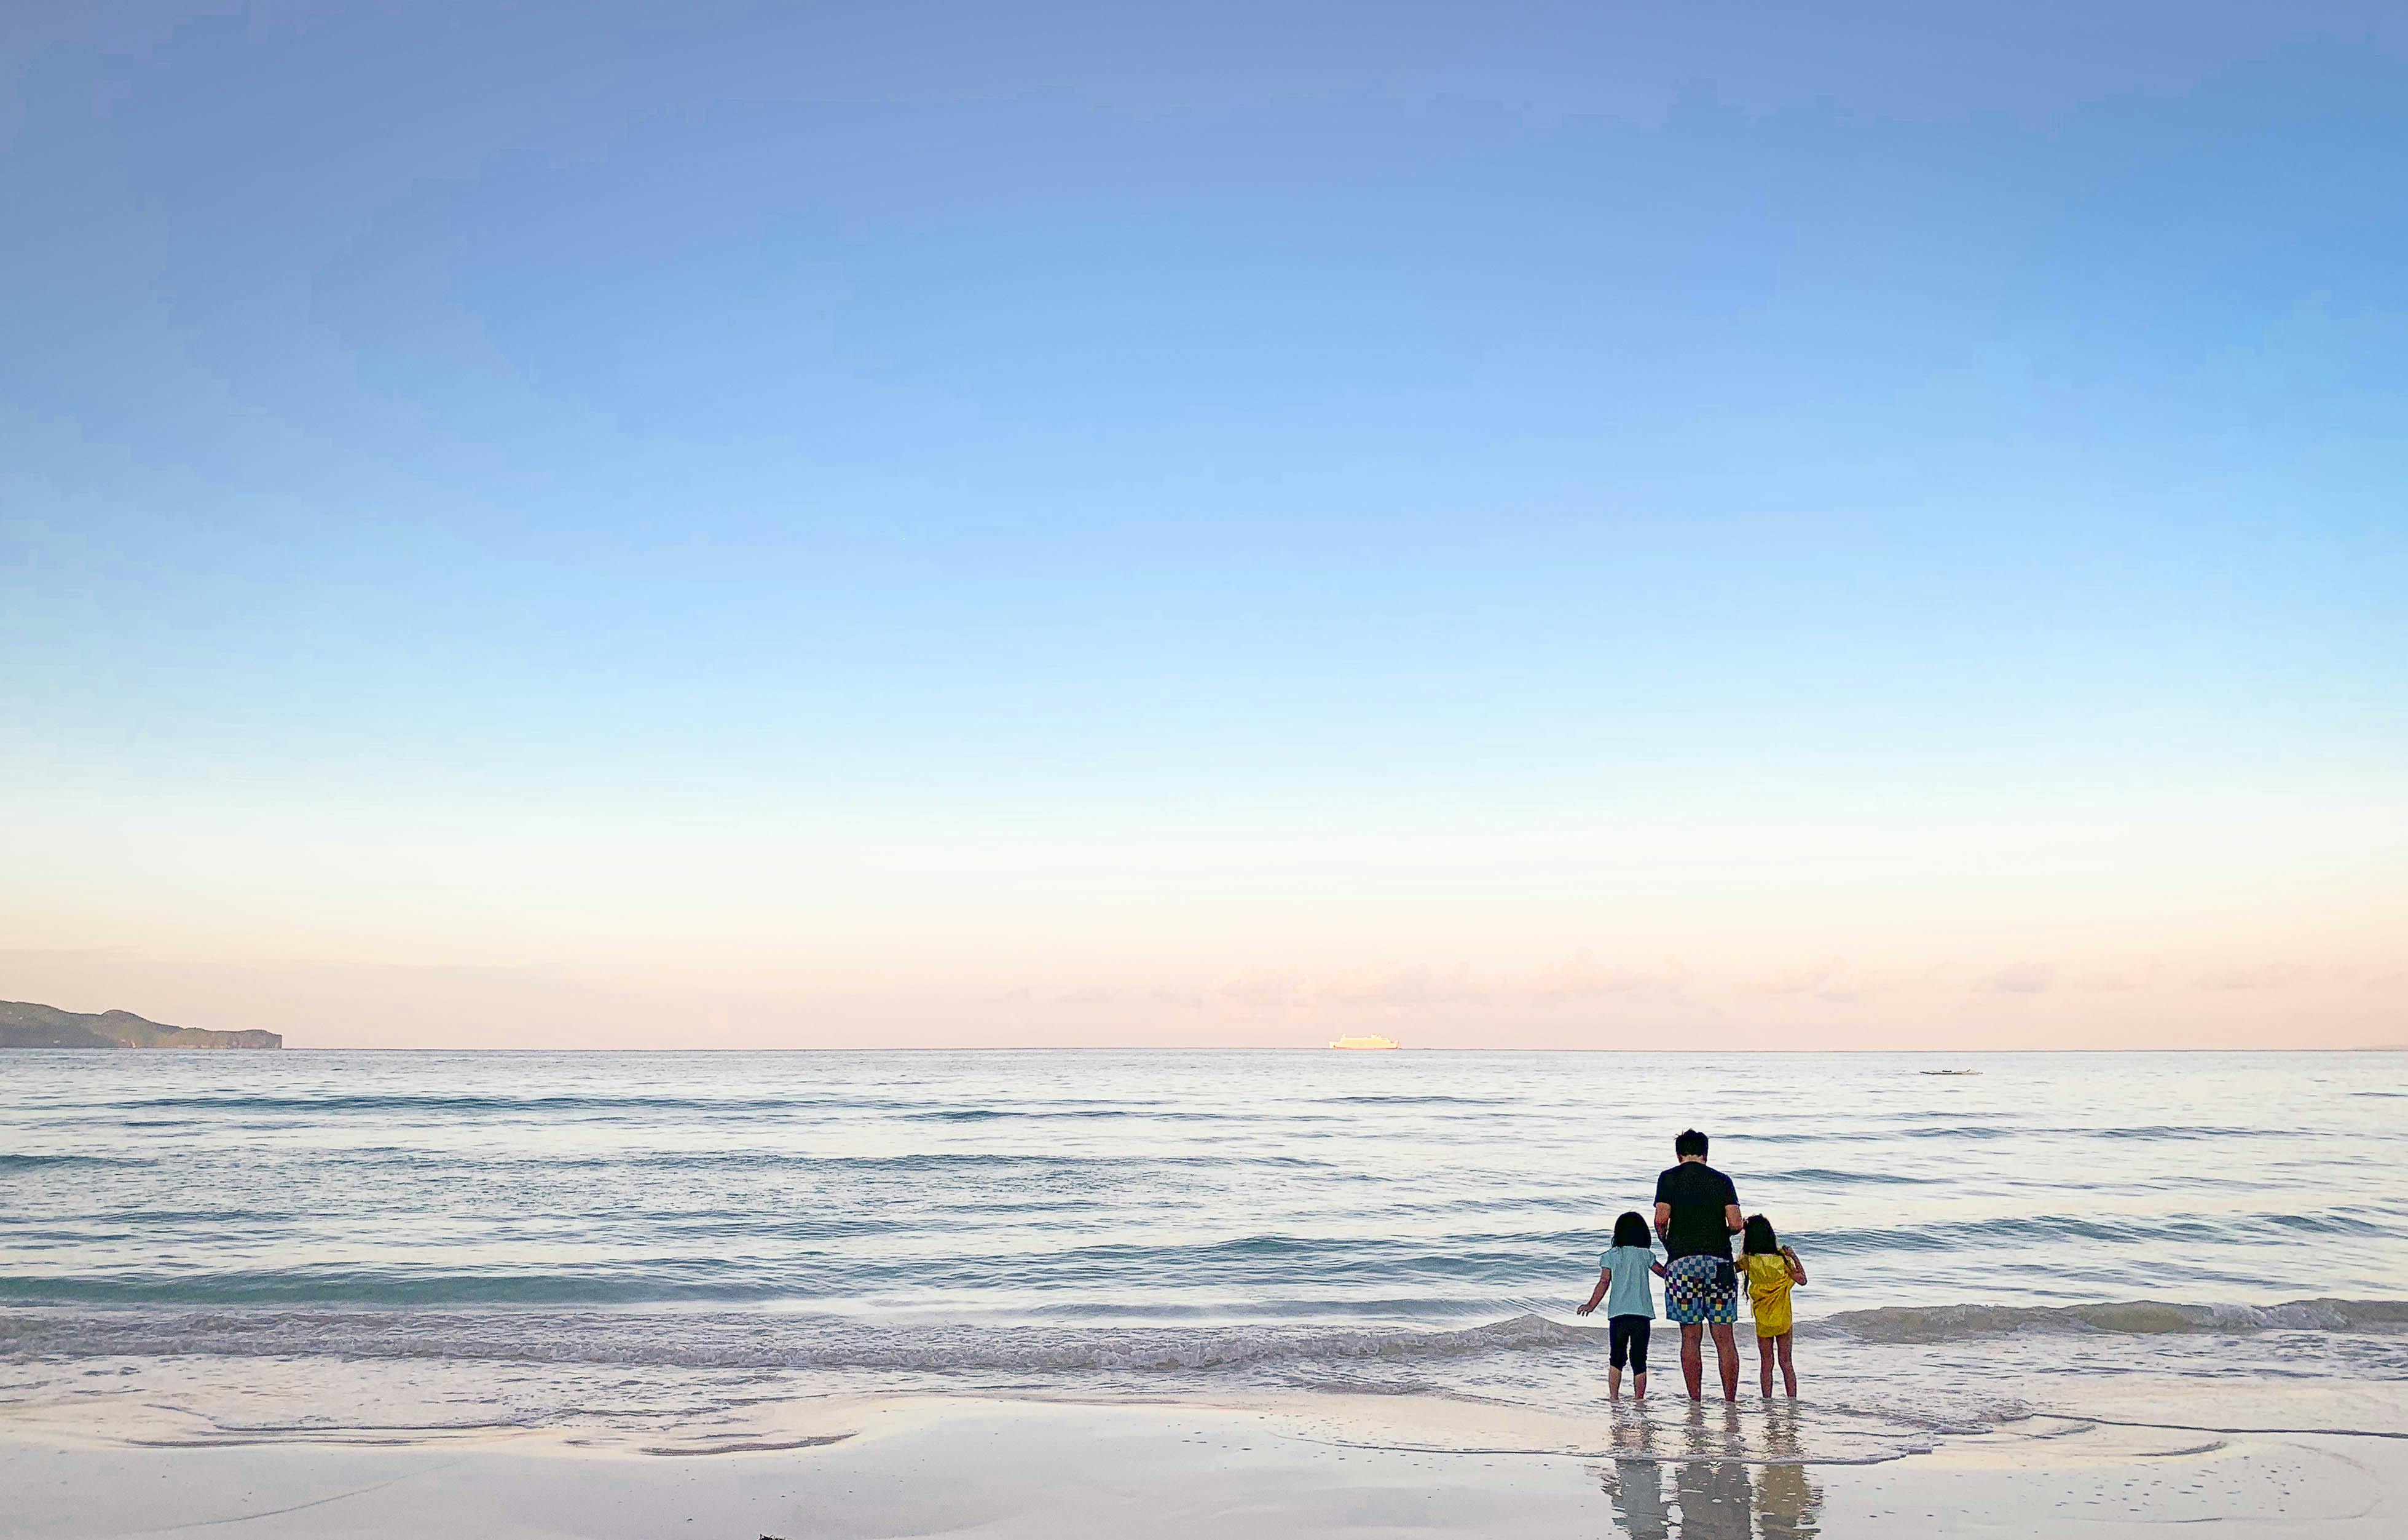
point(1632, 1229)
point(1759, 1240)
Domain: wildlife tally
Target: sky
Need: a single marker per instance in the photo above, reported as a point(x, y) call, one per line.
point(931, 524)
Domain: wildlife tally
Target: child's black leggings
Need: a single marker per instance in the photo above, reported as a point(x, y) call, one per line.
point(1628, 1337)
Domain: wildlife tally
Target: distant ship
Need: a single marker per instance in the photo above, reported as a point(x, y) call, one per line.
point(1372, 1042)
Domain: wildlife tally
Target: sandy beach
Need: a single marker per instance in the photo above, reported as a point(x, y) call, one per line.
point(1295, 1466)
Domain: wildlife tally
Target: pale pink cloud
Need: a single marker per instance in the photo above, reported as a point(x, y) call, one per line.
point(2260, 975)
point(2018, 978)
point(1803, 979)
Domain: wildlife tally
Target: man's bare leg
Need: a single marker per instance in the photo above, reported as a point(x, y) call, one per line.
point(1788, 1374)
point(1693, 1357)
point(1764, 1362)
point(1726, 1360)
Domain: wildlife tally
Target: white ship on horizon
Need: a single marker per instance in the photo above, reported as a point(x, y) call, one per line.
point(1372, 1043)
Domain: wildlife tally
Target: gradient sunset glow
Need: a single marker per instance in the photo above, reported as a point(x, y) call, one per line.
point(1568, 526)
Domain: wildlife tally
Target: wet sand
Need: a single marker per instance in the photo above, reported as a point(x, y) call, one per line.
point(1303, 1467)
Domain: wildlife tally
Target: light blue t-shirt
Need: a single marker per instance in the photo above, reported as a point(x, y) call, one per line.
point(1629, 1294)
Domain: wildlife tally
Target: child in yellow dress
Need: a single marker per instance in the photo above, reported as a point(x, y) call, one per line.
point(1769, 1271)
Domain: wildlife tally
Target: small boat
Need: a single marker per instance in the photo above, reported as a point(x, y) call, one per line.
point(1372, 1044)
point(1950, 1072)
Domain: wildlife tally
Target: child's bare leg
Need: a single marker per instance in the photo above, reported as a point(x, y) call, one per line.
point(1788, 1374)
point(1613, 1383)
point(1764, 1362)
point(1639, 1384)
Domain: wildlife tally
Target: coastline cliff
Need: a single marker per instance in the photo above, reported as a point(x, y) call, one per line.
point(25, 1025)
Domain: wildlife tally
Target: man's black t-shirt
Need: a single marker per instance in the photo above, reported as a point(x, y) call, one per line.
point(1698, 1195)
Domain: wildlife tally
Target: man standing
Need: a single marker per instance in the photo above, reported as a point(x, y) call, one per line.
point(1697, 1212)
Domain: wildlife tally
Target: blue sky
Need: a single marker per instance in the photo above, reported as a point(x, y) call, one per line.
point(503, 431)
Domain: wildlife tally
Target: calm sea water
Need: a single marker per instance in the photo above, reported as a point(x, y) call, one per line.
point(1162, 1221)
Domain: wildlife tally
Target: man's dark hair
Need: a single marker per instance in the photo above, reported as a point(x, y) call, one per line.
point(1690, 1143)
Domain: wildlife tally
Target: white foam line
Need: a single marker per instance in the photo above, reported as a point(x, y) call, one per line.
point(2202, 1428)
point(1643, 1457)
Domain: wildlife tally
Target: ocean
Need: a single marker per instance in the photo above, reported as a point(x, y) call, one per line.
point(653, 1246)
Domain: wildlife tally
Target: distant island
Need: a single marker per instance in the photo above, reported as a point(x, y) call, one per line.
point(24, 1025)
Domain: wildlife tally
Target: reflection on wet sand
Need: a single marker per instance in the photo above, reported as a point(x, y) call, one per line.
point(1731, 1476)
point(1636, 1488)
point(1788, 1504)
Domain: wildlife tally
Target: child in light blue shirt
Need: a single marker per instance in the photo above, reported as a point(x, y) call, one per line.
point(1630, 1306)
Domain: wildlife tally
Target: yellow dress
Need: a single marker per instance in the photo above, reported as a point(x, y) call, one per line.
point(1768, 1292)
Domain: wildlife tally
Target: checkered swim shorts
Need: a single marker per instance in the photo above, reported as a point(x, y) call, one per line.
point(1701, 1292)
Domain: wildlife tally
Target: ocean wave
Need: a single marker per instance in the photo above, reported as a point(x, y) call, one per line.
point(1955, 1131)
point(1043, 1113)
point(783, 1161)
point(2087, 1228)
point(1498, 1265)
point(433, 1103)
point(637, 1103)
point(1413, 1101)
point(268, 1108)
point(2143, 1317)
point(1025, 1239)
point(9, 1162)
point(785, 1341)
point(755, 1342)
point(377, 1287)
